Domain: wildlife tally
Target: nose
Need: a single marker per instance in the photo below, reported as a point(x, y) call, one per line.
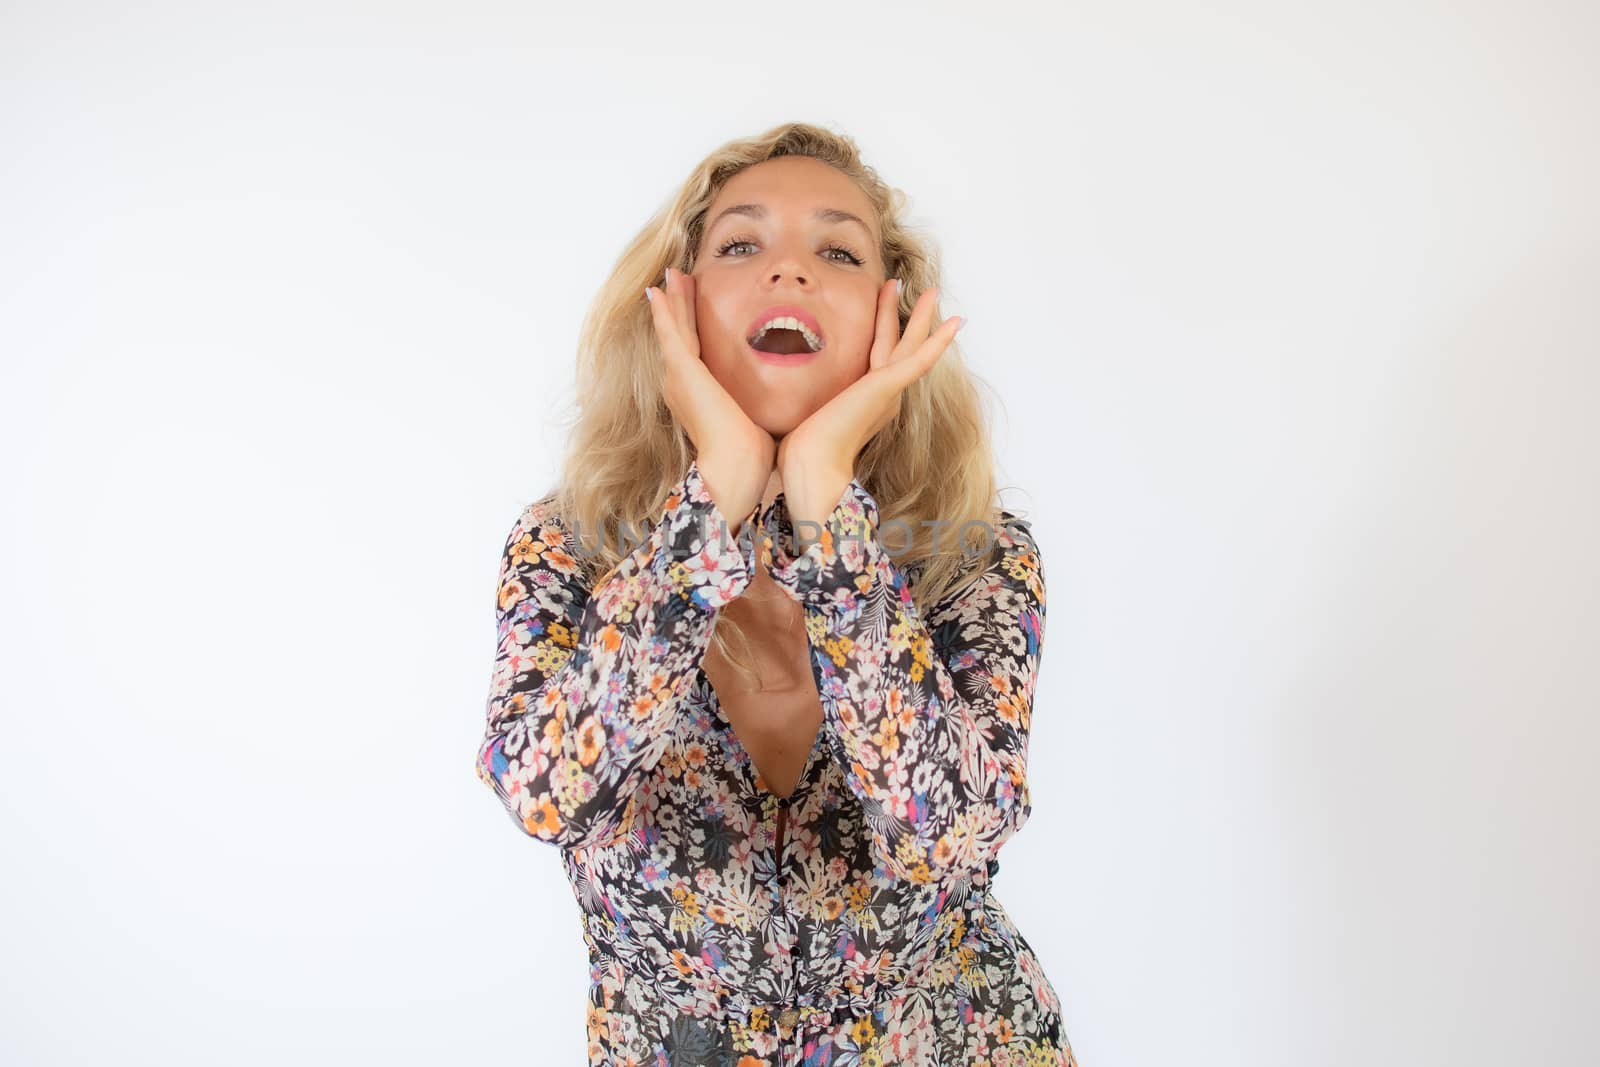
point(794, 277)
point(789, 266)
point(785, 271)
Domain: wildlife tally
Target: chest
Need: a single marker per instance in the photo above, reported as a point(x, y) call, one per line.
point(777, 731)
point(775, 716)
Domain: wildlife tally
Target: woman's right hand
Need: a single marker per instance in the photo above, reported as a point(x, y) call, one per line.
point(736, 457)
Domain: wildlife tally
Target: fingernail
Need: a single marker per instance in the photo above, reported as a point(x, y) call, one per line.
point(963, 324)
point(649, 293)
point(666, 276)
point(899, 285)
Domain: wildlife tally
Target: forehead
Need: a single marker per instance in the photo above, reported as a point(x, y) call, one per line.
point(794, 186)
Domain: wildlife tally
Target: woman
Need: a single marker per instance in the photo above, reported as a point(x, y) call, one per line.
point(781, 854)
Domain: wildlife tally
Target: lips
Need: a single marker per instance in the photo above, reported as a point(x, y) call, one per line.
point(785, 311)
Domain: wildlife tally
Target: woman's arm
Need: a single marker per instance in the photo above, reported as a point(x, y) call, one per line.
point(586, 682)
point(929, 718)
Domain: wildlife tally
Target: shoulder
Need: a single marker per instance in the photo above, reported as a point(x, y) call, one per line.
point(1011, 579)
point(1006, 547)
point(540, 520)
point(1014, 532)
point(1017, 550)
point(541, 537)
point(1002, 576)
point(541, 567)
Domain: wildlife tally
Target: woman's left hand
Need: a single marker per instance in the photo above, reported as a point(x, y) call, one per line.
point(816, 460)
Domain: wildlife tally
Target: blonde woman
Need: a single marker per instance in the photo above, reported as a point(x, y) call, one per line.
point(767, 652)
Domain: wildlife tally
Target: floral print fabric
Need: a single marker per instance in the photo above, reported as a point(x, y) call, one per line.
point(869, 934)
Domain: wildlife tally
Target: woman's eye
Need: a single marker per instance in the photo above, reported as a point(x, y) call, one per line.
point(845, 255)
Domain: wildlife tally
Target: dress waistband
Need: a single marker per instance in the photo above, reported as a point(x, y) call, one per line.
point(713, 999)
point(702, 994)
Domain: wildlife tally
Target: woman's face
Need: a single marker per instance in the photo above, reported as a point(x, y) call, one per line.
point(800, 234)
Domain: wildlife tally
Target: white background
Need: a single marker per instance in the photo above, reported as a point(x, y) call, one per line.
point(1292, 310)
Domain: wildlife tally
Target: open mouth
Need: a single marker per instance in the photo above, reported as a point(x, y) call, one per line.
point(780, 340)
point(786, 335)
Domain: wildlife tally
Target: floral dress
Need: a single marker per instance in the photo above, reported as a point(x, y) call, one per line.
point(850, 923)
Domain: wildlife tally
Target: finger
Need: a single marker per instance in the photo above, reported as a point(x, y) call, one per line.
point(938, 343)
point(665, 320)
point(920, 324)
point(680, 305)
point(920, 361)
point(674, 283)
point(686, 309)
point(887, 334)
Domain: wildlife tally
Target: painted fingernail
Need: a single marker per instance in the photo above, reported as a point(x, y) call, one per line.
point(963, 324)
point(649, 293)
point(666, 276)
point(899, 285)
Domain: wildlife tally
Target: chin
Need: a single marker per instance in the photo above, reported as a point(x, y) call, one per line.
point(773, 408)
point(779, 423)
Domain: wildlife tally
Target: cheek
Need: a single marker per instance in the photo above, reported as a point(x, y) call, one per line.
point(722, 357)
point(858, 359)
point(848, 364)
point(862, 335)
point(719, 334)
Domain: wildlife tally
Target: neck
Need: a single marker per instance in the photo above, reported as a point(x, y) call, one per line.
point(774, 487)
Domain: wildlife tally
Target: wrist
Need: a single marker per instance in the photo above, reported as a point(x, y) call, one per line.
point(811, 492)
point(736, 482)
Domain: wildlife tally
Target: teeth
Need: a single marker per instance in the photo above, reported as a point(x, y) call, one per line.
point(789, 323)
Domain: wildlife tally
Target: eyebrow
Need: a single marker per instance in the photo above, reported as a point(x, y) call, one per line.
point(759, 211)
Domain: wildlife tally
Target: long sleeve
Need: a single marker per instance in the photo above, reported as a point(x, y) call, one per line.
point(586, 683)
point(928, 718)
